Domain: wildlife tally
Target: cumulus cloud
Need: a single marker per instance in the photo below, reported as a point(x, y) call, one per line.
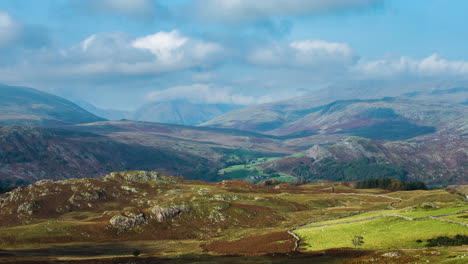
point(201, 93)
point(431, 66)
point(305, 53)
point(173, 48)
point(248, 10)
point(125, 7)
point(118, 54)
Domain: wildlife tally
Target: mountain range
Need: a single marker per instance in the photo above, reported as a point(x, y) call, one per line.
point(423, 131)
point(362, 104)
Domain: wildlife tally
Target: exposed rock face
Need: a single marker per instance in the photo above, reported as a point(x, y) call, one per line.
point(27, 208)
point(135, 176)
point(164, 214)
point(125, 223)
point(392, 254)
point(319, 153)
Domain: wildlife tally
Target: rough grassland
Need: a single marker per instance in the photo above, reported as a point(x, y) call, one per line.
point(73, 217)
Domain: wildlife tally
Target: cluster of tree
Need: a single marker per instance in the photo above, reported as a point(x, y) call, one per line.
point(458, 240)
point(269, 182)
point(271, 172)
point(233, 157)
point(365, 168)
point(303, 172)
point(8, 185)
point(391, 184)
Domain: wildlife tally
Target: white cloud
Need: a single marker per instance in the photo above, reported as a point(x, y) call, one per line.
point(126, 7)
point(247, 10)
point(201, 93)
point(166, 46)
point(172, 47)
point(431, 66)
point(118, 54)
point(306, 53)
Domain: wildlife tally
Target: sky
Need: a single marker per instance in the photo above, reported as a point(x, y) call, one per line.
point(121, 54)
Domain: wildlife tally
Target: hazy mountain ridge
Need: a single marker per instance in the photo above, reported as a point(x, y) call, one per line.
point(110, 114)
point(26, 106)
point(180, 112)
point(300, 113)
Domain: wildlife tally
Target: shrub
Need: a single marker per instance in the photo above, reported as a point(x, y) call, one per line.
point(136, 252)
point(390, 184)
point(358, 241)
point(458, 240)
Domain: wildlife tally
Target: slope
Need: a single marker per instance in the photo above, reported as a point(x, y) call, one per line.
point(26, 106)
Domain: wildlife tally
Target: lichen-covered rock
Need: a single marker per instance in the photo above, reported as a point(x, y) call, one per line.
point(78, 199)
point(27, 208)
point(164, 214)
point(135, 176)
point(216, 216)
point(125, 223)
point(224, 197)
point(392, 254)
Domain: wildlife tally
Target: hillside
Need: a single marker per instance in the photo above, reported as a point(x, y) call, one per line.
point(212, 154)
point(180, 112)
point(168, 216)
point(436, 162)
point(26, 106)
point(92, 150)
point(409, 114)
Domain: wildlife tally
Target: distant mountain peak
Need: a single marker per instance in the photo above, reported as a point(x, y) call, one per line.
point(181, 112)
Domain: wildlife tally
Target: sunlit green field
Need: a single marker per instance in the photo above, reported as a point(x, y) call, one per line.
point(383, 233)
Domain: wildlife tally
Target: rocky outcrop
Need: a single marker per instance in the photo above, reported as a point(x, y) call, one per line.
point(125, 223)
point(78, 198)
point(27, 208)
point(392, 254)
point(135, 176)
point(164, 214)
point(319, 153)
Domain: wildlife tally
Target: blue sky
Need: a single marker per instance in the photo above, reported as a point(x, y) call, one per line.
point(130, 52)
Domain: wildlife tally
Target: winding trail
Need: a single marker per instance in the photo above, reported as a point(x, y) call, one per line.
point(433, 217)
